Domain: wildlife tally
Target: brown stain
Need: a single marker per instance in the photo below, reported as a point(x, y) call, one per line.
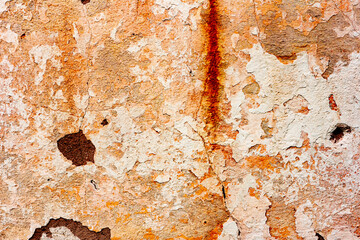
point(251, 89)
point(285, 42)
point(79, 230)
point(281, 220)
point(212, 86)
point(77, 148)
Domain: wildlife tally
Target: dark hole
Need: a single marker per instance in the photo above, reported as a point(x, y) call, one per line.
point(85, 1)
point(48, 179)
point(77, 148)
point(338, 133)
point(104, 122)
point(205, 222)
point(319, 236)
point(22, 36)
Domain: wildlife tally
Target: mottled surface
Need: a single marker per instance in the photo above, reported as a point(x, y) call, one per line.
point(180, 119)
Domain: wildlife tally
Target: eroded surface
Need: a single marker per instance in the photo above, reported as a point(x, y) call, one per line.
point(214, 119)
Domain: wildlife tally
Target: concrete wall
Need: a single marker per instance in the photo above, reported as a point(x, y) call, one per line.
point(179, 119)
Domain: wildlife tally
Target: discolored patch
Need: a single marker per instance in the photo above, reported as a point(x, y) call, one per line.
point(77, 229)
point(332, 103)
point(212, 85)
point(285, 42)
point(251, 89)
point(281, 220)
point(77, 148)
point(270, 163)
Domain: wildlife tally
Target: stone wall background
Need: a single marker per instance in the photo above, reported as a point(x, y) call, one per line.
point(213, 119)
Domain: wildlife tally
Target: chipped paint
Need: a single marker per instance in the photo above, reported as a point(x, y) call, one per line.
point(203, 119)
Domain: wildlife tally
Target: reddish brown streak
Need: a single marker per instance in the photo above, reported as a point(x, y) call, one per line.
point(212, 85)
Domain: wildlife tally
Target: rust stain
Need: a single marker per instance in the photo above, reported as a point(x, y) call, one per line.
point(267, 162)
point(150, 235)
point(212, 85)
point(215, 233)
point(332, 104)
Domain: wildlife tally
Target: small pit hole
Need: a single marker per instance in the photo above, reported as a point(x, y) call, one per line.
point(338, 133)
point(104, 122)
point(85, 1)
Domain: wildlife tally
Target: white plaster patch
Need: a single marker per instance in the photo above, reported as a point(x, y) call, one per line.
point(60, 80)
point(213, 185)
point(81, 101)
point(234, 39)
point(304, 224)
point(42, 54)
point(162, 178)
point(6, 66)
point(138, 46)
point(339, 234)
point(59, 95)
point(280, 83)
point(345, 85)
point(3, 6)
point(114, 31)
point(248, 210)
point(8, 35)
point(60, 233)
point(175, 7)
point(230, 231)
point(83, 39)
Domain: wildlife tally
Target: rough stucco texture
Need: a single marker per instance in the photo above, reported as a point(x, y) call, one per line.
point(179, 119)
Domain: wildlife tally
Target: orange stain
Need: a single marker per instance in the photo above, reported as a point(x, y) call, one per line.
point(149, 235)
point(264, 162)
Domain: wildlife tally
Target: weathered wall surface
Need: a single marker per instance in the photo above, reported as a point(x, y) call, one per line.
point(179, 119)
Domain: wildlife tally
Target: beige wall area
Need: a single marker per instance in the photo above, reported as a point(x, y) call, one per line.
point(179, 119)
